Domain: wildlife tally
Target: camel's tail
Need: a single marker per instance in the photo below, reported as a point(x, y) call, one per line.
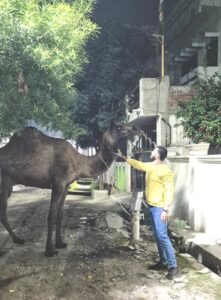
point(0, 177)
point(3, 165)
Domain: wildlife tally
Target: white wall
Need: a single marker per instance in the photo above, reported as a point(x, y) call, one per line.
point(205, 198)
point(177, 132)
point(154, 95)
point(180, 205)
point(197, 196)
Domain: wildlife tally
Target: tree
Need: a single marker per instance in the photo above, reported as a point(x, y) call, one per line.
point(42, 54)
point(118, 59)
point(201, 116)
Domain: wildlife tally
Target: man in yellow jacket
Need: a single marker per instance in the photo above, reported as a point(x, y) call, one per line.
point(159, 193)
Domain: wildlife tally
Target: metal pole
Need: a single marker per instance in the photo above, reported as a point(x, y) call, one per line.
point(160, 38)
point(162, 57)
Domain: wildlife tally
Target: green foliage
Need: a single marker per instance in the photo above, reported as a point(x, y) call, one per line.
point(42, 54)
point(201, 117)
point(118, 59)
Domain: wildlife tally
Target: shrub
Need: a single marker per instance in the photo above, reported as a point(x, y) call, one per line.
point(201, 116)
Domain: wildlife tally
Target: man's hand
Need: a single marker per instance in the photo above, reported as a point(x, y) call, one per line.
point(164, 216)
point(119, 153)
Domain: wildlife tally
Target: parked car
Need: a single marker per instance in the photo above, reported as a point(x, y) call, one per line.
point(83, 185)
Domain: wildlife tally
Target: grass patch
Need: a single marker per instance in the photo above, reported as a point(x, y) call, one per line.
point(198, 282)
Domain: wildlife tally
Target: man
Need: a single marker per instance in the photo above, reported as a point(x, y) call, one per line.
point(159, 192)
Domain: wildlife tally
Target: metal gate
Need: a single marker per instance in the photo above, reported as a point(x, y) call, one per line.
point(120, 177)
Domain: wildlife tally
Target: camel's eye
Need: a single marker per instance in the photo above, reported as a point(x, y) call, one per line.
point(120, 127)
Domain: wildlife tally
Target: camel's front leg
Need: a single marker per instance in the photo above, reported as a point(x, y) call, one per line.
point(4, 195)
point(59, 241)
point(56, 196)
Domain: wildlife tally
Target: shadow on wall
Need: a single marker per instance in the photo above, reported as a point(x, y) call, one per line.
point(180, 204)
point(197, 190)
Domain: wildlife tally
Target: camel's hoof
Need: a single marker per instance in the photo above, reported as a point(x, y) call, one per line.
point(61, 245)
point(2, 252)
point(50, 252)
point(18, 241)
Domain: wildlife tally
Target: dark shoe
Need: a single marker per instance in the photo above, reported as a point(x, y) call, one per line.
point(172, 273)
point(158, 266)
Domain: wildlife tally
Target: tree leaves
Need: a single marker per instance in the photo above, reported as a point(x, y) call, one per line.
point(201, 117)
point(118, 59)
point(42, 54)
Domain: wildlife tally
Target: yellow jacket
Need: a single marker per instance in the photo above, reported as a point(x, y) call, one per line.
point(159, 182)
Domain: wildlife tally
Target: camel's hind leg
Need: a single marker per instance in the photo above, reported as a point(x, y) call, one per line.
point(5, 192)
point(58, 240)
point(56, 196)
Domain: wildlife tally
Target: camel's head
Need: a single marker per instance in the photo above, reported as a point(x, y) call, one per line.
point(116, 132)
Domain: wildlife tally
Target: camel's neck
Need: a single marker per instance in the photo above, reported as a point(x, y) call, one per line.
point(102, 160)
point(97, 164)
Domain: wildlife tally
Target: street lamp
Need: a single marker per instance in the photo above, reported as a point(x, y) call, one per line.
point(160, 39)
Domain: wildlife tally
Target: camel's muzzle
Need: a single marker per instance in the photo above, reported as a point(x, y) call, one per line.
point(129, 130)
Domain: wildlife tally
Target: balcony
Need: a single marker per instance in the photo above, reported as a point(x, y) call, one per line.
point(192, 76)
point(213, 3)
point(188, 16)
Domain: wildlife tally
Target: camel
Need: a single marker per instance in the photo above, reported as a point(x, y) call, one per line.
point(34, 159)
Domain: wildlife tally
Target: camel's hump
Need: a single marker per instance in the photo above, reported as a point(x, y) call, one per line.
point(32, 132)
point(31, 135)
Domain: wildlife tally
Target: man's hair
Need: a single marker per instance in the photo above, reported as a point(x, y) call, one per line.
point(162, 152)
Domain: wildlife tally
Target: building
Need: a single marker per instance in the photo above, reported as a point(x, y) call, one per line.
point(192, 30)
point(192, 41)
point(153, 109)
point(148, 110)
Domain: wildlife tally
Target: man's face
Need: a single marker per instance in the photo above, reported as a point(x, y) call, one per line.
point(154, 154)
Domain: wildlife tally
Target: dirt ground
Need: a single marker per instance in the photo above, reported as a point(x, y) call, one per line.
point(99, 263)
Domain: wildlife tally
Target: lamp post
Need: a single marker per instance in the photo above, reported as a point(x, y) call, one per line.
point(160, 39)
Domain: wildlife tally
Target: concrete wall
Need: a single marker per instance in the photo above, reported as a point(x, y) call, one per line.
point(197, 196)
point(177, 132)
point(180, 205)
point(163, 132)
point(154, 95)
point(205, 197)
point(178, 94)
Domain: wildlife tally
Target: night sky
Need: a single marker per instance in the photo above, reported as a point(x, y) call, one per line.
point(133, 12)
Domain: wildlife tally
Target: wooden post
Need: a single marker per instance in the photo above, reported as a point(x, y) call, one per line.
point(135, 222)
point(135, 226)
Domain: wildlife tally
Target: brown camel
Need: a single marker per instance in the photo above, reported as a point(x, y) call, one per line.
point(34, 159)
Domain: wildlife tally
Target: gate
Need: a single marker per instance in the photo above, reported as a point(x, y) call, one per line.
point(120, 177)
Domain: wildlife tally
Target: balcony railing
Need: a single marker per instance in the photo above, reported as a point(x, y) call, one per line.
point(182, 14)
point(191, 77)
point(213, 3)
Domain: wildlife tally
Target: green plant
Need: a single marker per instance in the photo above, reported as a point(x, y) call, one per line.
point(201, 116)
point(42, 54)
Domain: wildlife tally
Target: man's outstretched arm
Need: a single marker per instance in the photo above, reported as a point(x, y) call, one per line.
point(136, 164)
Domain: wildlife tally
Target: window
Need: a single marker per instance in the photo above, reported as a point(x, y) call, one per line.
point(212, 52)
